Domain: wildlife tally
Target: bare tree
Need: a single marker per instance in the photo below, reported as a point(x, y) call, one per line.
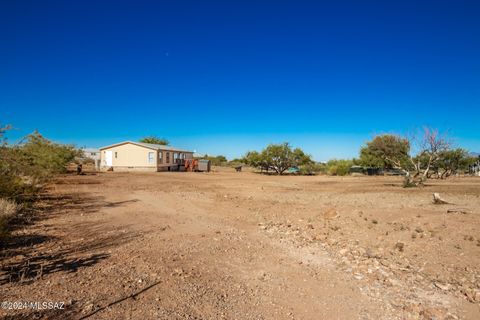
point(431, 145)
point(393, 151)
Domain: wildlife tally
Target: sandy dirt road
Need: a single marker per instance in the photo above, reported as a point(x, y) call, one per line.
point(227, 245)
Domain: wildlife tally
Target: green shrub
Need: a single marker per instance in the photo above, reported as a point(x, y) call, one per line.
point(235, 163)
point(339, 167)
point(217, 160)
point(25, 167)
point(312, 169)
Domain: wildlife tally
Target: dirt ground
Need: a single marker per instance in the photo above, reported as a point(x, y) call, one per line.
point(227, 245)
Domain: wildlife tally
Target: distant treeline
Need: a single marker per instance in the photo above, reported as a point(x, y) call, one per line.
point(435, 157)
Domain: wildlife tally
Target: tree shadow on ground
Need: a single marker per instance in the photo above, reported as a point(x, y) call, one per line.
point(28, 255)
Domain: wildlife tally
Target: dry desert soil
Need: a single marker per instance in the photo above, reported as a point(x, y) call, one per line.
point(227, 245)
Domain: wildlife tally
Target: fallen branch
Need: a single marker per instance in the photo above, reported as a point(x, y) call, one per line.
point(132, 296)
point(438, 200)
point(458, 210)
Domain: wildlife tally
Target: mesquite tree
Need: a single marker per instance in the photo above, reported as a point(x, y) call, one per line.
point(431, 145)
point(155, 140)
point(277, 157)
point(394, 152)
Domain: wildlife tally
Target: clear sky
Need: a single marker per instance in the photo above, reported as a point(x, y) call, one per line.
point(228, 76)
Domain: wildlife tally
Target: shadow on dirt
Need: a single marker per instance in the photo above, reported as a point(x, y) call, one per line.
point(69, 312)
point(28, 255)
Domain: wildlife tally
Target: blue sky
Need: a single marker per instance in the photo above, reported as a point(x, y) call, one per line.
point(230, 76)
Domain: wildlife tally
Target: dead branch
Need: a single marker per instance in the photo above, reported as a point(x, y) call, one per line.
point(132, 296)
point(438, 200)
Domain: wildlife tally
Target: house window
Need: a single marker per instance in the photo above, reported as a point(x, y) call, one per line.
point(168, 157)
point(93, 154)
point(150, 157)
point(175, 157)
point(115, 155)
point(160, 156)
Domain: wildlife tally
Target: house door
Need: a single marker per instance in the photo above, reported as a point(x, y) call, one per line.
point(108, 158)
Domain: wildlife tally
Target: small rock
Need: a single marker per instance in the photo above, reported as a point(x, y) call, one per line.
point(473, 295)
point(372, 254)
point(392, 282)
point(433, 313)
point(177, 272)
point(89, 307)
point(400, 246)
point(444, 287)
point(358, 276)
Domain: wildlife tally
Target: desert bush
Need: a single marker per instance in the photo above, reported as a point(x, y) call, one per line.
point(340, 167)
point(217, 160)
point(8, 210)
point(26, 167)
point(451, 162)
point(312, 168)
point(235, 163)
point(43, 158)
point(88, 161)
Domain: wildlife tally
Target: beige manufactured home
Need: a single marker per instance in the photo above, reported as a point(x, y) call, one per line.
point(138, 156)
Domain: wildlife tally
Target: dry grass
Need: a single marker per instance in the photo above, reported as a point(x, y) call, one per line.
point(8, 209)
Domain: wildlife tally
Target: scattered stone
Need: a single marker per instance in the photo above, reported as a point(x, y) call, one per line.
point(372, 254)
point(358, 276)
point(177, 272)
point(262, 275)
point(400, 246)
point(330, 214)
point(88, 308)
point(441, 286)
point(473, 295)
point(434, 313)
point(418, 230)
point(392, 282)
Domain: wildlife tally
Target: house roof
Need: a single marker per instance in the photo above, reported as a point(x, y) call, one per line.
point(147, 145)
